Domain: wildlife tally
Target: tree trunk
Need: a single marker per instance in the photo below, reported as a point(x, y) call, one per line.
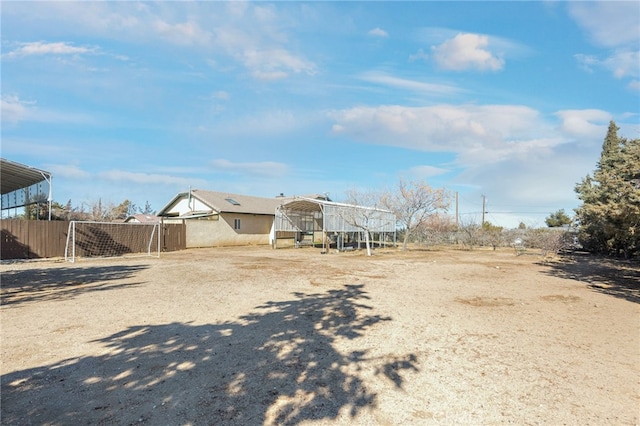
point(367, 242)
point(405, 241)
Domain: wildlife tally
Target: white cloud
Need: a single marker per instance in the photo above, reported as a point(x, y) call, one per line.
point(266, 123)
point(418, 56)
point(467, 51)
point(442, 128)
point(587, 62)
point(14, 110)
point(261, 169)
point(424, 171)
point(541, 180)
point(417, 86)
point(378, 32)
point(609, 23)
point(614, 25)
point(584, 123)
point(147, 178)
point(253, 37)
point(221, 95)
point(275, 63)
point(44, 48)
point(524, 161)
point(621, 63)
point(185, 33)
point(269, 75)
point(624, 63)
point(70, 171)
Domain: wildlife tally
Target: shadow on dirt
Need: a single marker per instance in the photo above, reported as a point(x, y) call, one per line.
point(34, 285)
point(276, 365)
point(615, 277)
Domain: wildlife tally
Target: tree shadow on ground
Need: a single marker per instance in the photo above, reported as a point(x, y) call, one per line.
point(12, 248)
point(615, 277)
point(276, 365)
point(93, 241)
point(38, 284)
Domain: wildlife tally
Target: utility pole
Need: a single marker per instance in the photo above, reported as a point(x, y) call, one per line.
point(456, 209)
point(484, 200)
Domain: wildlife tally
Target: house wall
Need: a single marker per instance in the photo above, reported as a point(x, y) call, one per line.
point(254, 230)
point(182, 206)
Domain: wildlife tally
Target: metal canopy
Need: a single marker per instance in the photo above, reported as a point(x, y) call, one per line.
point(15, 176)
point(307, 216)
point(304, 205)
point(334, 217)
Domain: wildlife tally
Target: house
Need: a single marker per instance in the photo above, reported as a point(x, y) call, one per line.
point(222, 219)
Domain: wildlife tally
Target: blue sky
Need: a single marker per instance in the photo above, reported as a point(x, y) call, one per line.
point(140, 101)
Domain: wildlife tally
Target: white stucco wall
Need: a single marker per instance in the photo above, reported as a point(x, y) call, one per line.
point(182, 206)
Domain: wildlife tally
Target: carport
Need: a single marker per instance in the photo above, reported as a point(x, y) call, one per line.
point(23, 185)
point(305, 221)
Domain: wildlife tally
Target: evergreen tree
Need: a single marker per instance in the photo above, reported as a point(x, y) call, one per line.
point(492, 234)
point(609, 217)
point(147, 209)
point(558, 219)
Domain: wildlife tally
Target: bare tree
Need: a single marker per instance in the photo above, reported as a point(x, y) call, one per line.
point(413, 202)
point(108, 211)
point(365, 219)
point(492, 234)
point(550, 241)
point(437, 229)
point(470, 232)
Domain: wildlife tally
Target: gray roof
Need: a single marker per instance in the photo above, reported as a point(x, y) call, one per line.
point(224, 202)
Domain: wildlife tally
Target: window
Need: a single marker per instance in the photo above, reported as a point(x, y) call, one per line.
point(232, 201)
point(236, 223)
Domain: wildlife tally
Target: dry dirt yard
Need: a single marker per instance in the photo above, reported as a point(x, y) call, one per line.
point(253, 336)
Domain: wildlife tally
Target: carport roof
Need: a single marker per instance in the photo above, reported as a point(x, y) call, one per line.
point(15, 176)
point(307, 204)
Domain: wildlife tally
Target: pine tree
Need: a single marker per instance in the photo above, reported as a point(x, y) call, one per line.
point(558, 219)
point(609, 217)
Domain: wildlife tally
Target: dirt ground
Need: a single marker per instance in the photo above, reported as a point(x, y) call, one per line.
point(252, 336)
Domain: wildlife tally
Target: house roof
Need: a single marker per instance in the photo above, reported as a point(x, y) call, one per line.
point(225, 202)
point(315, 203)
point(143, 218)
point(14, 176)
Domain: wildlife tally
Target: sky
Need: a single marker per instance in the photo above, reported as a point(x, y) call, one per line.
point(506, 102)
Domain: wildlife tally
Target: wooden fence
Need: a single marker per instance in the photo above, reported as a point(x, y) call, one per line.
point(32, 239)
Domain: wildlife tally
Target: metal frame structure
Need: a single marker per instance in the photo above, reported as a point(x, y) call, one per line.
point(16, 178)
point(303, 217)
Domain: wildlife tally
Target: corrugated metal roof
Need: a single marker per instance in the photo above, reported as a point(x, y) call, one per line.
point(15, 176)
point(337, 217)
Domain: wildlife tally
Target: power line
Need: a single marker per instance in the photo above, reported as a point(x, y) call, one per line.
point(519, 212)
